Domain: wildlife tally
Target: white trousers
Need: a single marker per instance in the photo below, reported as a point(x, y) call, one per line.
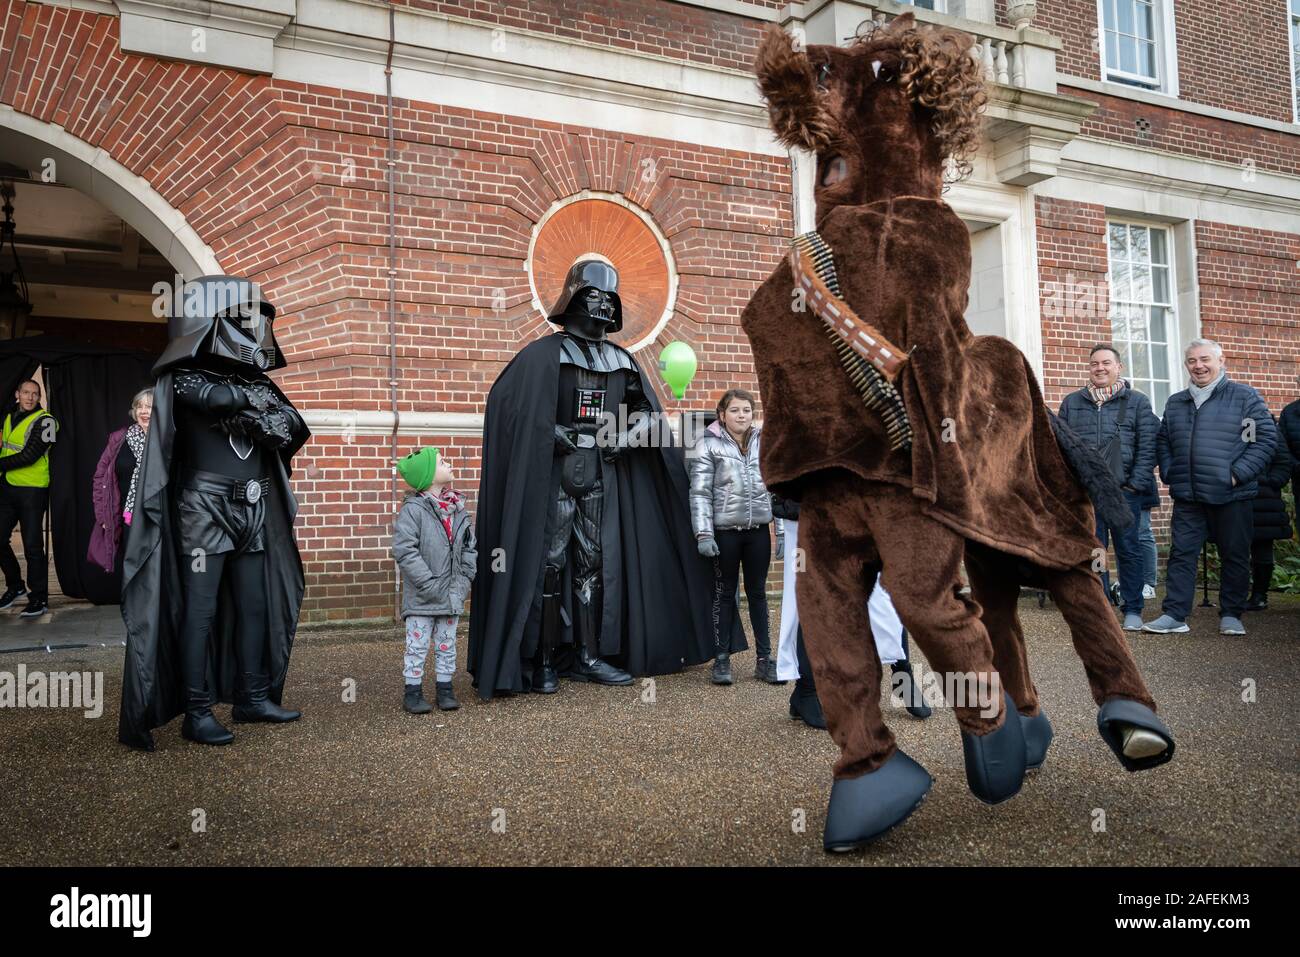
point(886, 628)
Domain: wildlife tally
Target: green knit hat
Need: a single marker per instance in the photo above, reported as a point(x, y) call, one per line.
point(418, 468)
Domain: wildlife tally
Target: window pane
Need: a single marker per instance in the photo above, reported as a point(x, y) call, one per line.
point(1141, 364)
point(1159, 252)
point(1127, 54)
point(1125, 10)
point(1145, 22)
point(1119, 326)
point(1157, 323)
point(1295, 7)
point(1140, 244)
point(1147, 64)
point(1120, 287)
point(1160, 362)
point(1141, 279)
point(1137, 324)
point(1160, 284)
point(1159, 397)
point(1117, 233)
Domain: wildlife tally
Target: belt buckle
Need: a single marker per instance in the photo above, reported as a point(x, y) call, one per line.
point(252, 491)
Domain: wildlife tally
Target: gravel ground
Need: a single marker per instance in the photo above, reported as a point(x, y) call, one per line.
point(698, 775)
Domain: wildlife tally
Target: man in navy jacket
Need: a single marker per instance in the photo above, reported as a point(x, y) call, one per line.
point(1216, 439)
point(1113, 417)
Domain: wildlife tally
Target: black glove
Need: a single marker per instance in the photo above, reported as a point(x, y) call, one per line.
point(564, 441)
point(272, 429)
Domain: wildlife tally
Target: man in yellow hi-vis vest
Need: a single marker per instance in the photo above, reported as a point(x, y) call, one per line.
point(29, 432)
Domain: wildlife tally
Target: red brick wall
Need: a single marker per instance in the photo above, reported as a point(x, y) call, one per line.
point(286, 183)
point(1230, 55)
point(676, 30)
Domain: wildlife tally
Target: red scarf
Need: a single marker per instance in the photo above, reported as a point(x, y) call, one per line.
point(446, 505)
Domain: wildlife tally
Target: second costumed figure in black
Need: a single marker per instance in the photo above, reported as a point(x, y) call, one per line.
point(588, 567)
point(212, 578)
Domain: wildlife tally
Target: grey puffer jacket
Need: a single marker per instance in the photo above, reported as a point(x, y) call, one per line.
point(436, 572)
point(727, 490)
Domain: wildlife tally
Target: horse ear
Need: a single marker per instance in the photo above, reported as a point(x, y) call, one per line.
point(786, 80)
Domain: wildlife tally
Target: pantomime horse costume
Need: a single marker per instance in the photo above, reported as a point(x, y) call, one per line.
point(913, 444)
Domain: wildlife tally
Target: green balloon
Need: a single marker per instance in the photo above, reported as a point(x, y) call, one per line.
point(677, 366)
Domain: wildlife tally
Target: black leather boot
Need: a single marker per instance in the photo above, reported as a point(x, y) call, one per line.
point(253, 702)
point(1257, 602)
point(587, 667)
point(413, 700)
point(200, 725)
point(545, 680)
point(446, 697)
point(721, 673)
point(913, 699)
point(805, 706)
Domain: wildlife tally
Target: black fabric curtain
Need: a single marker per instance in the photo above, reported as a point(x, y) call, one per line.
point(88, 390)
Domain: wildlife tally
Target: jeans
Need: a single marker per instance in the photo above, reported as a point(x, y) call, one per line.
point(1147, 541)
point(1128, 556)
point(1232, 526)
point(752, 549)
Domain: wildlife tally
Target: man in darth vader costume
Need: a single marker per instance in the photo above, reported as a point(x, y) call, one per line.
point(212, 578)
point(587, 564)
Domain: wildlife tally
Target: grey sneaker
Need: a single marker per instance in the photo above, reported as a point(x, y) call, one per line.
point(1132, 622)
point(1231, 626)
point(1148, 591)
point(1166, 624)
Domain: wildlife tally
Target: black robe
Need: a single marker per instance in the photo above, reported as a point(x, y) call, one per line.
point(152, 601)
point(658, 590)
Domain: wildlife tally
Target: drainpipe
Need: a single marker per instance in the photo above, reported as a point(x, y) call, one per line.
point(392, 290)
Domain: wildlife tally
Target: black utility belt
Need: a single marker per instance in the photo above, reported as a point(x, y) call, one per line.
point(238, 490)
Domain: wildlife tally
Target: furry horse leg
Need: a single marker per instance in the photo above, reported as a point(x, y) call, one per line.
point(1098, 640)
point(921, 557)
point(995, 586)
point(832, 598)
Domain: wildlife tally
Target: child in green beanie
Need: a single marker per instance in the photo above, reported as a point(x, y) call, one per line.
point(433, 542)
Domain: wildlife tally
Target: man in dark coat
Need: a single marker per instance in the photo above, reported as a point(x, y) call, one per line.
point(587, 565)
point(212, 579)
point(1216, 439)
point(1288, 424)
point(1271, 524)
point(1116, 419)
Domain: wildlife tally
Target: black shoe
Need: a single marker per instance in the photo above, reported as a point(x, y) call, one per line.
point(200, 725)
point(995, 762)
point(765, 670)
point(253, 703)
point(11, 596)
point(1038, 735)
point(864, 808)
point(805, 706)
point(545, 680)
point(446, 697)
point(587, 667)
point(913, 699)
point(721, 673)
point(35, 608)
point(413, 700)
point(1257, 603)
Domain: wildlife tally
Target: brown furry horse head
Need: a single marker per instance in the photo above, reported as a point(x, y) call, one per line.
point(883, 115)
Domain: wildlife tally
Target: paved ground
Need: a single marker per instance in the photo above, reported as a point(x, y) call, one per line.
point(702, 775)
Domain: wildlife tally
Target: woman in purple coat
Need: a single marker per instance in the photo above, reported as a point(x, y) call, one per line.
point(115, 484)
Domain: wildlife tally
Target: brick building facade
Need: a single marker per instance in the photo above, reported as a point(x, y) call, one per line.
point(251, 137)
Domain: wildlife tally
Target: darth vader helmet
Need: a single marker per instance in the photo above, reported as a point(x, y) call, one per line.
point(223, 318)
point(589, 305)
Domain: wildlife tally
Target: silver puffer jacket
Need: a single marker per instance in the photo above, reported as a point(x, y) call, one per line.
point(727, 490)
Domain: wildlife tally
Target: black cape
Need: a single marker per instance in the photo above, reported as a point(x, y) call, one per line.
point(152, 603)
point(658, 590)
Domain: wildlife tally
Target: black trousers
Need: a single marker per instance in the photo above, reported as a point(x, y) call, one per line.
point(1232, 526)
point(24, 507)
point(1261, 565)
point(201, 582)
point(750, 549)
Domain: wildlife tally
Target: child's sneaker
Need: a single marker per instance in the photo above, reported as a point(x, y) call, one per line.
point(413, 701)
point(446, 697)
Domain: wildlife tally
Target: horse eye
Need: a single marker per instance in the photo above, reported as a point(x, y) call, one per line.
point(823, 74)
